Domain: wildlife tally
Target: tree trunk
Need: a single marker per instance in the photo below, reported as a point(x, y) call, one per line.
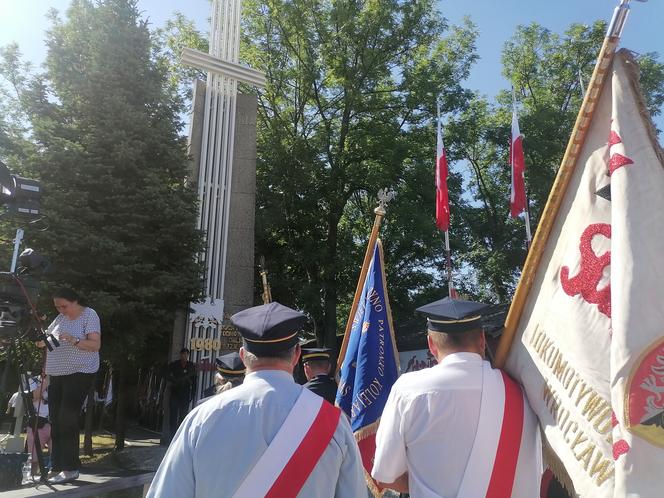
point(330, 293)
point(89, 417)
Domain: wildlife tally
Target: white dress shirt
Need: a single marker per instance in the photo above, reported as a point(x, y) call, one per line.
point(219, 442)
point(428, 426)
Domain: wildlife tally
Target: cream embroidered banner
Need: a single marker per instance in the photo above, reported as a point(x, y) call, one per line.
point(637, 290)
point(588, 345)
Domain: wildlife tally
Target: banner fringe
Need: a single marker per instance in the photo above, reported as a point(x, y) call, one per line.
point(373, 487)
point(364, 433)
point(634, 75)
point(552, 461)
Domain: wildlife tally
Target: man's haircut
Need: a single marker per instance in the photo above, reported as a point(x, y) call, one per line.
point(251, 359)
point(457, 341)
point(319, 364)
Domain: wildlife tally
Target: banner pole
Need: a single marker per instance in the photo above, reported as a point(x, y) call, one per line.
point(563, 178)
point(383, 198)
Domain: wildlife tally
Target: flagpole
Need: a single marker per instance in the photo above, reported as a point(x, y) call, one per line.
point(529, 237)
point(568, 164)
point(581, 85)
point(450, 287)
point(383, 198)
point(448, 253)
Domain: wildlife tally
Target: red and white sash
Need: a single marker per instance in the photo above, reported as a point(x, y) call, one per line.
point(491, 468)
point(292, 455)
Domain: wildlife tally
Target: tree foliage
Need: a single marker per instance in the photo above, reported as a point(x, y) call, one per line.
point(349, 109)
point(103, 134)
point(351, 90)
point(547, 72)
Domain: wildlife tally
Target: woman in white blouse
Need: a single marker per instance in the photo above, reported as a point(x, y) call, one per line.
point(71, 368)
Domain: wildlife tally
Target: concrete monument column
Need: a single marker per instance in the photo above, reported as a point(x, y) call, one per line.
point(223, 145)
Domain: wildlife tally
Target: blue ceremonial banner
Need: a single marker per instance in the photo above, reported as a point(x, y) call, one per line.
point(370, 366)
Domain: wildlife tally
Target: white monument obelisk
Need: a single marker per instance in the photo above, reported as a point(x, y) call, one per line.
point(215, 173)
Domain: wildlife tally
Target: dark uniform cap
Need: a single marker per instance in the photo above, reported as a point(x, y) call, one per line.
point(268, 328)
point(453, 315)
point(309, 354)
point(230, 365)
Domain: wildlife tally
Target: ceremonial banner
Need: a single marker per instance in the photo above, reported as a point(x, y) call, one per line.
point(588, 347)
point(636, 166)
point(370, 365)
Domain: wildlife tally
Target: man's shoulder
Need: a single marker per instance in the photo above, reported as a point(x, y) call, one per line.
point(410, 380)
point(230, 401)
point(309, 383)
point(321, 380)
point(436, 379)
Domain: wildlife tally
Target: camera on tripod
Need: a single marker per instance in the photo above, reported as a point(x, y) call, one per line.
point(19, 195)
point(19, 288)
point(19, 292)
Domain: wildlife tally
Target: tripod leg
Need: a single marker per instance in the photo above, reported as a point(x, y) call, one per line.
point(26, 394)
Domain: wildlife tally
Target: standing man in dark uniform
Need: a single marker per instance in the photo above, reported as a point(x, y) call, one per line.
point(317, 368)
point(181, 375)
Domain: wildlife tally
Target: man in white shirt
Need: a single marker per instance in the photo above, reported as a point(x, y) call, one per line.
point(269, 437)
point(442, 427)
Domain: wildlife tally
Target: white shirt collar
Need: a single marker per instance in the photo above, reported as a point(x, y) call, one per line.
point(461, 358)
point(268, 375)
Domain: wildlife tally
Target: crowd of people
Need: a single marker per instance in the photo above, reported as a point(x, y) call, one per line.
point(277, 438)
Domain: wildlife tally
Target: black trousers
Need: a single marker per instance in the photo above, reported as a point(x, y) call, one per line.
point(178, 408)
point(66, 394)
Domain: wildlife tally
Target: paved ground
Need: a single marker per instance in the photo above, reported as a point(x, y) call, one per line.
point(142, 454)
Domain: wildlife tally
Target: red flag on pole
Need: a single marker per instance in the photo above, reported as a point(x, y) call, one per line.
point(442, 196)
point(518, 164)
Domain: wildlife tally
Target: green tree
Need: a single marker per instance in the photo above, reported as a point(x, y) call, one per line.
point(351, 94)
point(652, 82)
point(493, 244)
point(105, 119)
point(545, 70)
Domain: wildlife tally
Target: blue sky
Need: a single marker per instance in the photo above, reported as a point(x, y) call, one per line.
point(24, 21)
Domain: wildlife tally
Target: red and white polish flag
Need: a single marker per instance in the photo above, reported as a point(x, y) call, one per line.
point(518, 165)
point(442, 195)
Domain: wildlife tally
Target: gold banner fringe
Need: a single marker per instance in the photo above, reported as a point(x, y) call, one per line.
point(363, 433)
point(634, 75)
point(552, 461)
